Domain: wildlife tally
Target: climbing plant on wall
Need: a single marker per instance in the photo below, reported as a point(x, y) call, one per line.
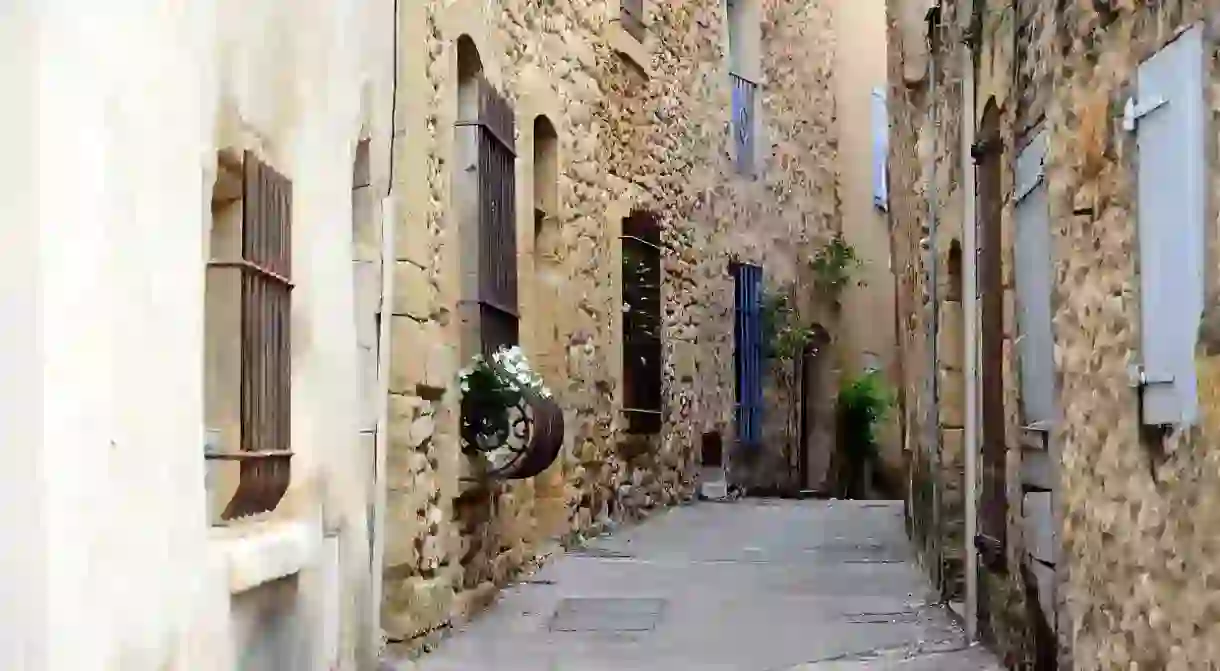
point(784, 337)
point(833, 264)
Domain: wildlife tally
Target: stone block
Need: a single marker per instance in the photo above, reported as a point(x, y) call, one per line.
point(414, 293)
point(366, 225)
point(421, 363)
point(953, 446)
point(415, 605)
point(413, 245)
point(470, 602)
point(951, 345)
point(685, 367)
point(403, 527)
point(952, 399)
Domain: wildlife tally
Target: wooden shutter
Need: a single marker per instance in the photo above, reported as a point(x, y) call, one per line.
point(1034, 273)
point(632, 18)
point(497, 228)
point(265, 389)
point(642, 365)
point(1169, 119)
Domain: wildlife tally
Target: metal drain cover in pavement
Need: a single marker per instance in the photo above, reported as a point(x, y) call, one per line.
point(607, 615)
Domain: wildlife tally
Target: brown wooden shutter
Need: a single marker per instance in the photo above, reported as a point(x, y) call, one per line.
point(266, 264)
point(497, 222)
point(632, 18)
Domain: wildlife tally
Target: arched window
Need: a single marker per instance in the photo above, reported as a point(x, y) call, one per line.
point(547, 279)
point(546, 171)
point(484, 197)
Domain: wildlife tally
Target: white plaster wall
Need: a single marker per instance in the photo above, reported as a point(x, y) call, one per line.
point(22, 508)
point(133, 102)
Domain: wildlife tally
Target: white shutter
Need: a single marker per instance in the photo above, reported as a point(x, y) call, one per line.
point(1169, 120)
point(881, 147)
point(1034, 272)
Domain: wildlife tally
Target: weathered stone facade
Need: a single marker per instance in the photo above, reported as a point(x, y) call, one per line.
point(925, 182)
point(927, 173)
point(638, 126)
point(1134, 582)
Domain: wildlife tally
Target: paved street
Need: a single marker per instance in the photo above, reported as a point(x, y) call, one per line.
point(753, 585)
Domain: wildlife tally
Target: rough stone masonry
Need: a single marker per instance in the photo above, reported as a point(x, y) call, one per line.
point(638, 126)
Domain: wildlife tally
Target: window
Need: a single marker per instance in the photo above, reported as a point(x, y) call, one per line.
point(641, 246)
point(631, 14)
point(744, 92)
point(486, 169)
point(743, 58)
point(548, 268)
point(881, 148)
point(248, 320)
point(747, 353)
point(1170, 119)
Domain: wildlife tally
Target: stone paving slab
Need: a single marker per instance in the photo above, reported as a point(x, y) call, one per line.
point(752, 585)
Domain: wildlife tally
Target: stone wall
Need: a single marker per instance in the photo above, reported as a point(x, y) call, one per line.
point(1141, 518)
point(927, 180)
point(1135, 579)
point(639, 126)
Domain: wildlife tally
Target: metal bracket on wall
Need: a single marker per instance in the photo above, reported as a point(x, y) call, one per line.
point(1135, 110)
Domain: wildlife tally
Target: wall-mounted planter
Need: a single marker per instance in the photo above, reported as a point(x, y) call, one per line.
point(519, 441)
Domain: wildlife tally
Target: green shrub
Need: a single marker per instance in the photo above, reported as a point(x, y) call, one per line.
point(863, 402)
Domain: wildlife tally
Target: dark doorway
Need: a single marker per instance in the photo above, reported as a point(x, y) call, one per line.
point(816, 443)
point(993, 512)
point(711, 453)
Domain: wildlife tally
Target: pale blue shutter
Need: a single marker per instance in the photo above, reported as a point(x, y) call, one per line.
point(1033, 274)
point(1168, 117)
point(881, 147)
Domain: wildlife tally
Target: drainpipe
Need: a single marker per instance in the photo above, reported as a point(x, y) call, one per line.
point(381, 442)
point(970, 314)
point(934, 322)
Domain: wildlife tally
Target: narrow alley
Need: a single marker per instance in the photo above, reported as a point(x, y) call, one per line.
point(753, 585)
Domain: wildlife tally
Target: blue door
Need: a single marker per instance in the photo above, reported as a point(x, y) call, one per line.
point(747, 354)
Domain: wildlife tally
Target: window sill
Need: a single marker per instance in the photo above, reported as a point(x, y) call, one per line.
point(261, 552)
point(631, 49)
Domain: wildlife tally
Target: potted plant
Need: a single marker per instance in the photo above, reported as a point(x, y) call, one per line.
point(496, 392)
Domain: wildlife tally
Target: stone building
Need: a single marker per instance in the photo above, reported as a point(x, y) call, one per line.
point(1053, 163)
point(260, 243)
point(704, 130)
